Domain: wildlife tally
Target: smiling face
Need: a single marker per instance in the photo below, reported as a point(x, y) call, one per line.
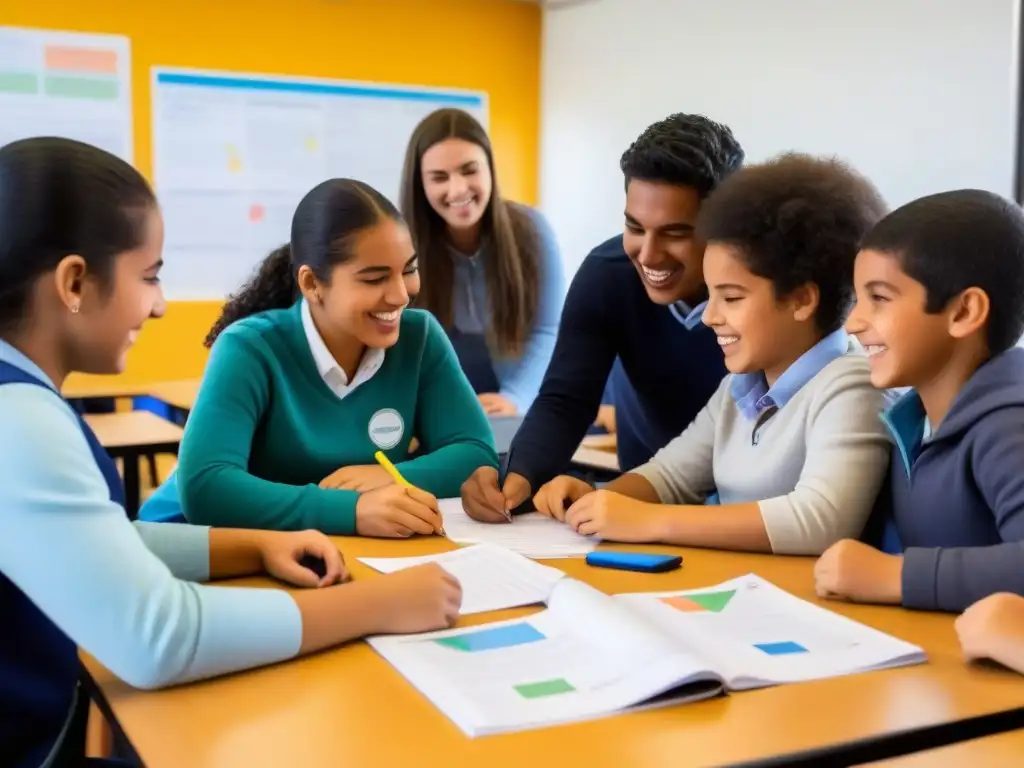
point(109, 317)
point(367, 293)
point(457, 182)
point(906, 345)
point(757, 330)
point(658, 238)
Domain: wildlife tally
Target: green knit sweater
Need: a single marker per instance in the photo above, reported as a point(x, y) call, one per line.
point(266, 429)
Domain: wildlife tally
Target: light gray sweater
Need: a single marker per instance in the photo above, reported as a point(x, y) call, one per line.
point(814, 466)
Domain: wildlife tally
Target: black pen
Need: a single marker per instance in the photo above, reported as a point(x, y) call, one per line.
point(503, 466)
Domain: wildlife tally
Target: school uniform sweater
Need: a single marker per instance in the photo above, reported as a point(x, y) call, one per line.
point(811, 450)
point(957, 497)
point(518, 377)
point(669, 365)
point(75, 572)
point(267, 426)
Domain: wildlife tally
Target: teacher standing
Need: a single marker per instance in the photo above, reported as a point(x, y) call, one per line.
point(491, 271)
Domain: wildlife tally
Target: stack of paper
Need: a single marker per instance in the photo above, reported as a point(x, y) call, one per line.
point(532, 535)
point(492, 578)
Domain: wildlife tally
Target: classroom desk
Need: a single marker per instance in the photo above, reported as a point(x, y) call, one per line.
point(349, 707)
point(80, 386)
point(179, 395)
point(129, 436)
point(1004, 750)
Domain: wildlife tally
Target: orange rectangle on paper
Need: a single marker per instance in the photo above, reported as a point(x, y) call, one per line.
point(81, 59)
point(683, 604)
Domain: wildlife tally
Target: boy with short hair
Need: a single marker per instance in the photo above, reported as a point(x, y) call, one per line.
point(940, 305)
point(790, 444)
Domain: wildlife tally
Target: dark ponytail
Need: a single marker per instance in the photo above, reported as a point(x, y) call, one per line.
point(60, 197)
point(272, 287)
point(323, 226)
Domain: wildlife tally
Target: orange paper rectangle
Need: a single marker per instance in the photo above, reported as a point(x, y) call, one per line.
point(683, 604)
point(72, 59)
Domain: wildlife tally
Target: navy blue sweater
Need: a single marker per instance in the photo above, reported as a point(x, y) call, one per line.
point(957, 498)
point(666, 372)
point(39, 667)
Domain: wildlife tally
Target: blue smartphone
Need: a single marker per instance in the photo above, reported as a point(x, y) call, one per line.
point(635, 561)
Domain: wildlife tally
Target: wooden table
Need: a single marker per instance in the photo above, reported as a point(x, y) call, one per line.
point(80, 386)
point(1004, 750)
point(349, 707)
point(129, 436)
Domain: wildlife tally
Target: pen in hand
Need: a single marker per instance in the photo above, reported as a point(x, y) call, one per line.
point(392, 470)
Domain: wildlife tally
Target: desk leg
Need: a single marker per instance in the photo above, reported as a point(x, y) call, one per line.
point(131, 484)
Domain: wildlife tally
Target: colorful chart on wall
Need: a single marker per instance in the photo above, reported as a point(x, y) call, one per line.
point(234, 153)
point(66, 84)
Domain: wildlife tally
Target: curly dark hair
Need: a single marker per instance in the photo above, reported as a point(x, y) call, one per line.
point(797, 219)
point(323, 226)
point(688, 150)
point(952, 241)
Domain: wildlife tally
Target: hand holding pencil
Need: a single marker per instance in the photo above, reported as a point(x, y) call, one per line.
point(398, 510)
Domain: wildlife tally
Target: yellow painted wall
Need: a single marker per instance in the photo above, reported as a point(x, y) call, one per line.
point(488, 45)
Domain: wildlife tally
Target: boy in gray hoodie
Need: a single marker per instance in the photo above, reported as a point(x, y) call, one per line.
point(940, 306)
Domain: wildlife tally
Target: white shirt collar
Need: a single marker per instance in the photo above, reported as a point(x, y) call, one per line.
point(333, 374)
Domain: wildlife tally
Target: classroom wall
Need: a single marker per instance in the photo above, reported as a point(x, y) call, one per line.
point(489, 45)
point(918, 94)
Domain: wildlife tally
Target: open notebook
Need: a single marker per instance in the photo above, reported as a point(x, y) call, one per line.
point(589, 654)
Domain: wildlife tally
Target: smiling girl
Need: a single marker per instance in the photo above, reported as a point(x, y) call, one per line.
point(492, 274)
point(316, 365)
point(80, 256)
point(790, 448)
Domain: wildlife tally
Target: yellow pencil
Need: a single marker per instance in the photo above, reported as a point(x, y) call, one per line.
point(392, 470)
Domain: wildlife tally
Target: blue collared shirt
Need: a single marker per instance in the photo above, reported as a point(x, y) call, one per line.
point(752, 394)
point(690, 318)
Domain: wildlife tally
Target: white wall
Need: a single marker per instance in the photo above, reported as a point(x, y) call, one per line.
point(920, 95)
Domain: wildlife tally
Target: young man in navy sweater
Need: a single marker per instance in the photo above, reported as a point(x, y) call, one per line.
point(940, 306)
point(639, 297)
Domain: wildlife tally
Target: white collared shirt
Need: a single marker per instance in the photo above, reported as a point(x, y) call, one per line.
point(332, 373)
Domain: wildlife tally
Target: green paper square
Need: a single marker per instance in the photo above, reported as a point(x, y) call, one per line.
point(544, 688)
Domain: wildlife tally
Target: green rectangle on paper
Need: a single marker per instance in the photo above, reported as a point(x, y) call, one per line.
point(81, 87)
point(544, 688)
point(19, 82)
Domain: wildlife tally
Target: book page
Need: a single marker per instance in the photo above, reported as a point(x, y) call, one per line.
point(532, 535)
point(544, 669)
point(758, 634)
point(492, 578)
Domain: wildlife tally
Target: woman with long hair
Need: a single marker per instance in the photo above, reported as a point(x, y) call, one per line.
point(491, 270)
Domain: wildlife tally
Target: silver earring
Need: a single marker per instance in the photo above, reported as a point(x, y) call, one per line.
point(74, 309)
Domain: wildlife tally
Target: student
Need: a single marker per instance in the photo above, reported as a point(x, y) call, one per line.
point(993, 628)
point(637, 296)
point(791, 444)
point(940, 305)
point(80, 241)
point(492, 273)
point(315, 366)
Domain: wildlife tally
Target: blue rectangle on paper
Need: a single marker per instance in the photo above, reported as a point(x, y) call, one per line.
point(781, 649)
point(320, 89)
point(491, 639)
